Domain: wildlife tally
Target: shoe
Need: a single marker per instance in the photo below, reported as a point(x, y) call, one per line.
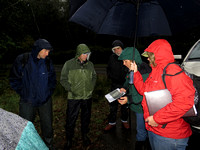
point(86, 141)
point(68, 145)
point(109, 127)
point(126, 125)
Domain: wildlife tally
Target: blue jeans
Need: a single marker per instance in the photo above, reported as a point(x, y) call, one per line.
point(140, 127)
point(162, 143)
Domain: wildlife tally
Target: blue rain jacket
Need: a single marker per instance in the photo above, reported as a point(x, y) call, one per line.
point(35, 80)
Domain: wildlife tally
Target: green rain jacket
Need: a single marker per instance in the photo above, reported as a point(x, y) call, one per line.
point(78, 78)
point(134, 98)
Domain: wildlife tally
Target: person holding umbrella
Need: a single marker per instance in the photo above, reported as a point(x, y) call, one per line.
point(133, 98)
point(116, 72)
point(166, 128)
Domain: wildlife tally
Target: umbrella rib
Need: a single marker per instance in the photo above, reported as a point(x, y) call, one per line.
point(105, 15)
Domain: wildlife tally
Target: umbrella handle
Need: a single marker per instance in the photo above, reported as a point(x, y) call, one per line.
point(131, 77)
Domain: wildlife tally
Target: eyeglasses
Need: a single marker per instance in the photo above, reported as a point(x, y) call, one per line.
point(86, 53)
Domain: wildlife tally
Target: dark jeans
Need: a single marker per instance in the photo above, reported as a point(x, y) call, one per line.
point(113, 112)
point(73, 108)
point(28, 112)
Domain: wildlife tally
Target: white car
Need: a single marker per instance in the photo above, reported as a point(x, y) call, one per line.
point(191, 64)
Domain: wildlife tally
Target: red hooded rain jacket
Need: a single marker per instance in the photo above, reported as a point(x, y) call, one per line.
point(180, 87)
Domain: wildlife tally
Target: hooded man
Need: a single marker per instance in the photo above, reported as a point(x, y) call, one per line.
point(133, 98)
point(116, 72)
point(78, 77)
point(33, 77)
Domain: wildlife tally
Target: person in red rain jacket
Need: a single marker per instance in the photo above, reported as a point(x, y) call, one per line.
point(177, 132)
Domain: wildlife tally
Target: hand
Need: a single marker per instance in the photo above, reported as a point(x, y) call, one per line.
point(134, 67)
point(122, 90)
point(123, 100)
point(151, 121)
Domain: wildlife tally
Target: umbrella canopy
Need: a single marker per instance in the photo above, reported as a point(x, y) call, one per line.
point(155, 17)
point(74, 5)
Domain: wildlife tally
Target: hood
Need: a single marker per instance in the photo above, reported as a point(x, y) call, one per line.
point(117, 43)
point(127, 54)
point(162, 51)
point(38, 46)
point(81, 49)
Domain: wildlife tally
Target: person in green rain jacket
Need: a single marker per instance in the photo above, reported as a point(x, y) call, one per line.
point(78, 77)
point(133, 98)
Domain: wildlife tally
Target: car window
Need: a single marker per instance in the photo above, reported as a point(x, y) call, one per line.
point(195, 53)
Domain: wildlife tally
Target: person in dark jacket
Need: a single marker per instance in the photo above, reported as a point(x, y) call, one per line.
point(33, 77)
point(78, 77)
point(116, 72)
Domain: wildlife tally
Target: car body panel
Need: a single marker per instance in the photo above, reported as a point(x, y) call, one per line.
point(191, 62)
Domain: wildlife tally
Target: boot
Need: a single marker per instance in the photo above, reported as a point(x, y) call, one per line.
point(68, 145)
point(126, 125)
point(109, 127)
point(86, 140)
point(139, 145)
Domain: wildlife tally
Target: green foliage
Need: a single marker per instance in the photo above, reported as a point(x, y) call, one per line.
point(10, 101)
point(24, 21)
point(6, 43)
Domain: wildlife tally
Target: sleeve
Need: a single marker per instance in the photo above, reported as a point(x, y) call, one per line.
point(64, 77)
point(183, 92)
point(94, 77)
point(15, 76)
point(136, 97)
point(138, 82)
point(126, 83)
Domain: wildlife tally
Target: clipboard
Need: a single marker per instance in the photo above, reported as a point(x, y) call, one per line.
point(159, 99)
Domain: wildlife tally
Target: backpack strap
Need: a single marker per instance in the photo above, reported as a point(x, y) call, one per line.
point(24, 59)
point(164, 73)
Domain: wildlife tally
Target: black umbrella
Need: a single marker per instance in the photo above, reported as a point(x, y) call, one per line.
point(155, 17)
